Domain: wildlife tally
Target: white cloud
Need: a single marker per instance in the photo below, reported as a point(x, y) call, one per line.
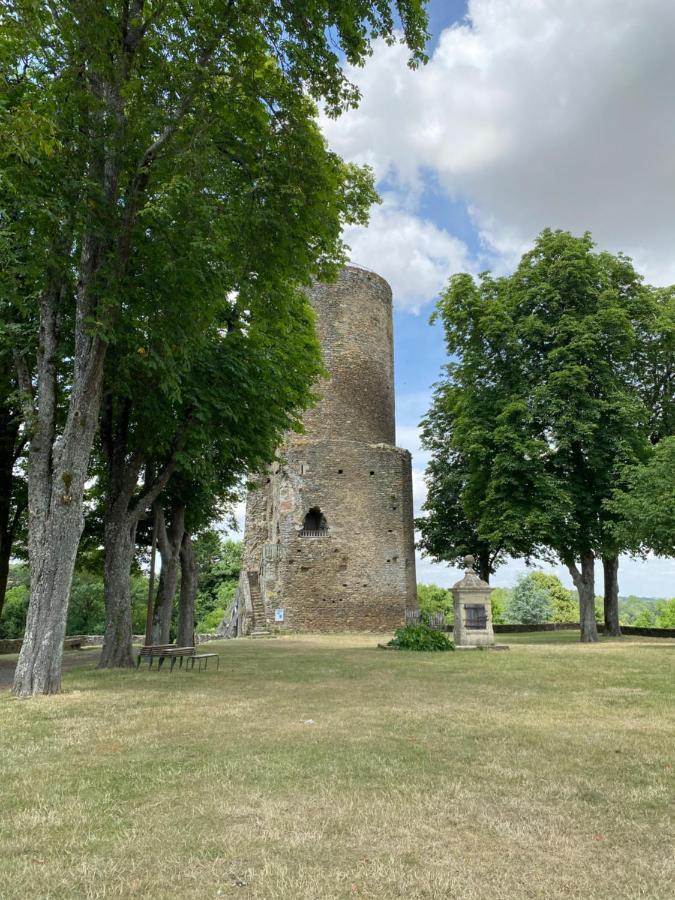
point(534, 113)
point(414, 255)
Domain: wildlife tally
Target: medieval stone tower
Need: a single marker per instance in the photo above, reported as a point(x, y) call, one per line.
point(329, 542)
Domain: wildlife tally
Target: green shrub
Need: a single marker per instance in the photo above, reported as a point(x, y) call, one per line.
point(13, 620)
point(210, 622)
point(421, 637)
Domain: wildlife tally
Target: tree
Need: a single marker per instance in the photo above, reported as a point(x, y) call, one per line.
point(203, 435)
point(434, 599)
point(549, 352)
point(106, 107)
point(563, 604)
point(529, 603)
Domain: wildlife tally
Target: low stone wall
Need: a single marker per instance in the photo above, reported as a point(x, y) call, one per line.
point(647, 632)
point(574, 626)
point(546, 626)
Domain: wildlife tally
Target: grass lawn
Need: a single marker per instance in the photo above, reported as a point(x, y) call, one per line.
point(324, 768)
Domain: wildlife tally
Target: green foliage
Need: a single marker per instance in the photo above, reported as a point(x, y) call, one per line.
point(631, 607)
point(211, 621)
point(646, 618)
point(86, 612)
point(666, 613)
point(529, 603)
point(13, 618)
point(499, 599)
point(434, 599)
point(456, 477)
point(219, 564)
point(540, 431)
point(644, 506)
point(563, 602)
point(421, 637)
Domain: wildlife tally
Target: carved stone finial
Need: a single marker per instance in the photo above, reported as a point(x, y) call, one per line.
point(468, 562)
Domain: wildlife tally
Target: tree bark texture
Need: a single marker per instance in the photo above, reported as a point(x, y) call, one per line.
point(169, 541)
point(484, 565)
point(584, 581)
point(57, 470)
point(189, 577)
point(120, 547)
point(610, 565)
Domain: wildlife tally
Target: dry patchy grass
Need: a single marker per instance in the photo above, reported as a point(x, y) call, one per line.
point(542, 772)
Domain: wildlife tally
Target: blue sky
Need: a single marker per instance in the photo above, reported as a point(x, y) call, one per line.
point(527, 115)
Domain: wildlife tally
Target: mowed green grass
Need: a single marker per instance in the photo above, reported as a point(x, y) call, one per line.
point(325, 768)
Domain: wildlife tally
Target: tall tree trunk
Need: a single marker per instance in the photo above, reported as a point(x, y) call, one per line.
point(484, 565)
point(57, 471)
point(169, 541)
point(610, 565)
point(584, 581)
point(189, 576)
point(120, 547)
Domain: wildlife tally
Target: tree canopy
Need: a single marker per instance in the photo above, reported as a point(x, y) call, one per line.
point(546, 401)
point(151, 148)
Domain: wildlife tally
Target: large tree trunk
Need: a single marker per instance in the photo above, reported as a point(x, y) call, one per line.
point(584, 581)
point(189, 575)
point(120, 547)
point(610, 565)
point(57, 472)
point(484, 565)
point(169, 542)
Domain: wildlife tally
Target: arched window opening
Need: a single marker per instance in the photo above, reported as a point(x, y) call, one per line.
point(315, 524)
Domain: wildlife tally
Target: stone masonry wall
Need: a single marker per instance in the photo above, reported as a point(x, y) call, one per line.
point(354, 326)
point(360, 574)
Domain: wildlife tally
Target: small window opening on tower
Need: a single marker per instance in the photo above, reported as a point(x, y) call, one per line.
point(315, 524)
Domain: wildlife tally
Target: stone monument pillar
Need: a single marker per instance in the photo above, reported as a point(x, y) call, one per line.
point(473, 610)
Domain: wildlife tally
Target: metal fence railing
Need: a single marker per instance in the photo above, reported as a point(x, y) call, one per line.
point(436, 621)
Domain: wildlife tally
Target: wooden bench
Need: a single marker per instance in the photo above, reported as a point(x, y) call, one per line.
point(160, 652)
point(202, 656)
point(73, 643)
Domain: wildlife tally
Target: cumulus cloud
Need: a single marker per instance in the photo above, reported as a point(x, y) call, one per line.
point(414, 255)
point(546, 113)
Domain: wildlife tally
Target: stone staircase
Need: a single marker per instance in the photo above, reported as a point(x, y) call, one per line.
point(259, 626)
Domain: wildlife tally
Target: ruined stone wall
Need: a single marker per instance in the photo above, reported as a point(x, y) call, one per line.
point(360, 573)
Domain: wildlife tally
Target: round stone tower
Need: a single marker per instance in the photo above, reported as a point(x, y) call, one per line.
point(329, 542)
